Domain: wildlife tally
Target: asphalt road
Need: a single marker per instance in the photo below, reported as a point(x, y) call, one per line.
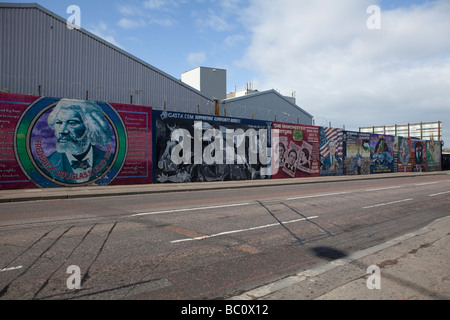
point(205, 244)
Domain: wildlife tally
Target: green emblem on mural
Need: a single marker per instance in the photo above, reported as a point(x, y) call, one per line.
point(297, 135)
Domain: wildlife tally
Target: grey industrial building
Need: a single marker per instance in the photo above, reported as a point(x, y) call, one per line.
point(41, 56)
point(259, 105)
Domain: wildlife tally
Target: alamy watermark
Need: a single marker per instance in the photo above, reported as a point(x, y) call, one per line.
point(74, 280)
point(374, 280)
point(220, 148)
point(374, 21)
point(74, 21)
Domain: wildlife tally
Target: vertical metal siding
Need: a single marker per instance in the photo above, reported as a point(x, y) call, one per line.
point(266, 106)
point(39, 50)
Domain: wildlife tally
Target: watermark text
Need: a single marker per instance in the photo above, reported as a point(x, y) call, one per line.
point(374, 21)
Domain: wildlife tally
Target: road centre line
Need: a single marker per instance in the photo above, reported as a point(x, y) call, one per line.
point(11, 269)
point(190, 209)
point(387, 203)
point(426, 183)
point(404, 186)
point(288, 199)
point(438, 194)
point(318, 195)
point(243, 230)
point(385, 188)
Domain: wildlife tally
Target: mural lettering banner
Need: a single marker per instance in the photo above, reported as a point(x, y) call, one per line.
point(138, 165)
point(12, 107)
point(356, 153)
point(331, 151)
point(433, 156)
point(381, 153)
point(66, 143)
point(199, 148)
point(297, 149)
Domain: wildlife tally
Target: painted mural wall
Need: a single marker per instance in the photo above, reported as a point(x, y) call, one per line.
point(331, 151)
point(434, 158)
point(200, 148)
point(420, 155)
point(403, 155)
point(297, 151)
point(53, 142)
point(356, 153)
point(381, 153)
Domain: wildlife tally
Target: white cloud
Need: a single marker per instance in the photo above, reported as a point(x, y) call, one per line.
point(166, 22)
point(196, 58)
point(102, 30)
point(234, 39)
point(127, 23)
point(131, 23)
point(163, 5)
point(347, 73)
point(137, 16)
point(213, 21)
point(154, 4)
point(128, 10)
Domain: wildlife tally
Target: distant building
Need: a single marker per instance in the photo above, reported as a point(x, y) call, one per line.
point(42, 56)
point(266, 105)
point(249, 103)
point(210, 81)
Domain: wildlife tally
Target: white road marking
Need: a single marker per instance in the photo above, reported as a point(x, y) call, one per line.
point(11, 269)
point(425, 184)
point(438, 194)
point(318, 195)
point(387, 203)
point(190, 209)
point(385, 188)
point(242, 230)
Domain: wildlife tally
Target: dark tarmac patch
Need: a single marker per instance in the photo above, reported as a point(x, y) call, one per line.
point(328, 253)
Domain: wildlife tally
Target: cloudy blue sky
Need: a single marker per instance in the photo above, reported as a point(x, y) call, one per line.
point(340, 70)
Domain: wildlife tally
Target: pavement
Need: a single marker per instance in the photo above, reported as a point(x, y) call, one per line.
point(415, 266)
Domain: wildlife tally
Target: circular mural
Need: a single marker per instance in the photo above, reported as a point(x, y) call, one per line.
point(64, 143)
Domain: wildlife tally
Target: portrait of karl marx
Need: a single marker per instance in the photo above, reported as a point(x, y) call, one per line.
point(81, 130)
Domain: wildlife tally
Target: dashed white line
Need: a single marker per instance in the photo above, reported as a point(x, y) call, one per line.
point(387, 203)
point(243, 230)
point(425, 183)
point(318, 195)
point(11, 269)
point(385, 188)
point(189, 209)
point(438, 194)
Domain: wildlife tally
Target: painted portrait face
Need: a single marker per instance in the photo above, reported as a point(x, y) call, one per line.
point(303, 157)
point(292, 157)
point(281, 151)
point(70, 132)
point(332, 146)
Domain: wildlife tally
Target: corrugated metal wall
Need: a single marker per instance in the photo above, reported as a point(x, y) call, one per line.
point(266, 105)
point(39, 53)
